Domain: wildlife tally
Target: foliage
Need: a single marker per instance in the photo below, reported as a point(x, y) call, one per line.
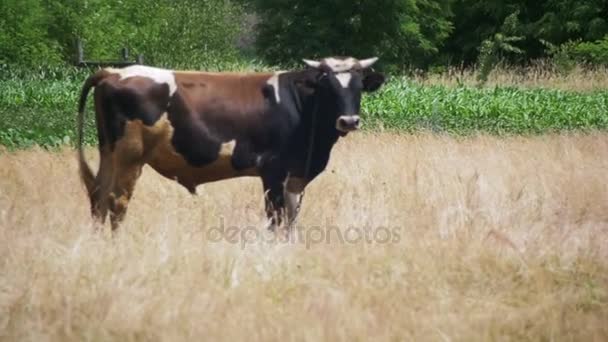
point(180, 32)
point(592, 52)
point(425, 33)
point(402, 32)
point(168, 33)
point(493, 49)
point(556, 21)
point(23, 37)
point(566, 56)
point(406, 34)
point(564, 20)
point(561, 56)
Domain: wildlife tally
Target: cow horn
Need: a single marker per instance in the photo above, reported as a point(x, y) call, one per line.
point(312, 64)
point(366, 63)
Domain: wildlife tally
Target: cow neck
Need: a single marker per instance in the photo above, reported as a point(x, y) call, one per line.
point(311, 135)
point(316, 134)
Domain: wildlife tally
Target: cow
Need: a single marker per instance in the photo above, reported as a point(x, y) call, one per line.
point(198, 127)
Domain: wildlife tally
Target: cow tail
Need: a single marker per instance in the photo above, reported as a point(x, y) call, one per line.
point(86, 174)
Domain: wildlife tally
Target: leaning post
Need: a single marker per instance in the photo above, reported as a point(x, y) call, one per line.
point(79, 52)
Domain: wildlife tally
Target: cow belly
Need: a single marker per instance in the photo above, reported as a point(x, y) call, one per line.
point(191, 176)
point(169, 163)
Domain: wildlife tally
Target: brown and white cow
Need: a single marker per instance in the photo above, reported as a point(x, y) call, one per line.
point(199, 127)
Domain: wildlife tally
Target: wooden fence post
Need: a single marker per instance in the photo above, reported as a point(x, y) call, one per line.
point(125, 54)
point(81, 62)
point(80, 52)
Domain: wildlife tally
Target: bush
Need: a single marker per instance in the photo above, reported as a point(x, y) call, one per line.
point(169, 33)
point(561, 56)
point(23, 36)
point(592, 52)
point(493, 50)
point(567, 56)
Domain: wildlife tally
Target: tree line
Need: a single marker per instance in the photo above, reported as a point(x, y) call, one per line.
point(405, 33)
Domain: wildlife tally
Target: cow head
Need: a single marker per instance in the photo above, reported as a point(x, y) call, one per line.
point(343, 80)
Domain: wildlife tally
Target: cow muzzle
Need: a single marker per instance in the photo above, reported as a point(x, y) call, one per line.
point(348, 123)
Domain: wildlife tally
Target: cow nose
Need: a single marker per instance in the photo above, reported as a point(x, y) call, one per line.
point(347, 123)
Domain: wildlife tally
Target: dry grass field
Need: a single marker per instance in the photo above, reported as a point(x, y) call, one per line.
point(539, 75)
point(423, 237)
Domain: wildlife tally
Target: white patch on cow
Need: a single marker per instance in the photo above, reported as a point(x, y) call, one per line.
point(344, 78)
point(227, 148)
point(274, 82)
point(156, 74)
point(340, 65)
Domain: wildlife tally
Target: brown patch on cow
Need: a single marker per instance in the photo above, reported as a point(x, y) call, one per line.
point(235, 92)
point(128, 159)
point(119, 170)
point(188, 84)
point(166, 161)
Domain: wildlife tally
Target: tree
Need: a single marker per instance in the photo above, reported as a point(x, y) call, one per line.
point(185, 33)
point(572, 19)
point(402, 32)
point(495, 49)
point(23, 34)
point(555, 21)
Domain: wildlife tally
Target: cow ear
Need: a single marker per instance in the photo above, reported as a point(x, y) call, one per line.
point(372, 81)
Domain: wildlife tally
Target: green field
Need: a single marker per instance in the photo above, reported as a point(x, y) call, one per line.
point(40, 108)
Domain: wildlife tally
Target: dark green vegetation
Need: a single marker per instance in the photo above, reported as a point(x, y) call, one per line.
point(167, 32)
point(40, 108)
point(425, 33)
point(404, 33)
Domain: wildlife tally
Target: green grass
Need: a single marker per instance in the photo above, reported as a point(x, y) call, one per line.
point(408, 106)
point(38, 107)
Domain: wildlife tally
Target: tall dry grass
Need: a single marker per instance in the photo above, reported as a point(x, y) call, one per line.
point(541, 74)
point(490, 239)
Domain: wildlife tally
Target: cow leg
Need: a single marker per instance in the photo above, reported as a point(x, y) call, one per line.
point(283, 194)
point(274, 204)
point(126, 177)
point(293, 192)
point(128, 158)
point(272, 180)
